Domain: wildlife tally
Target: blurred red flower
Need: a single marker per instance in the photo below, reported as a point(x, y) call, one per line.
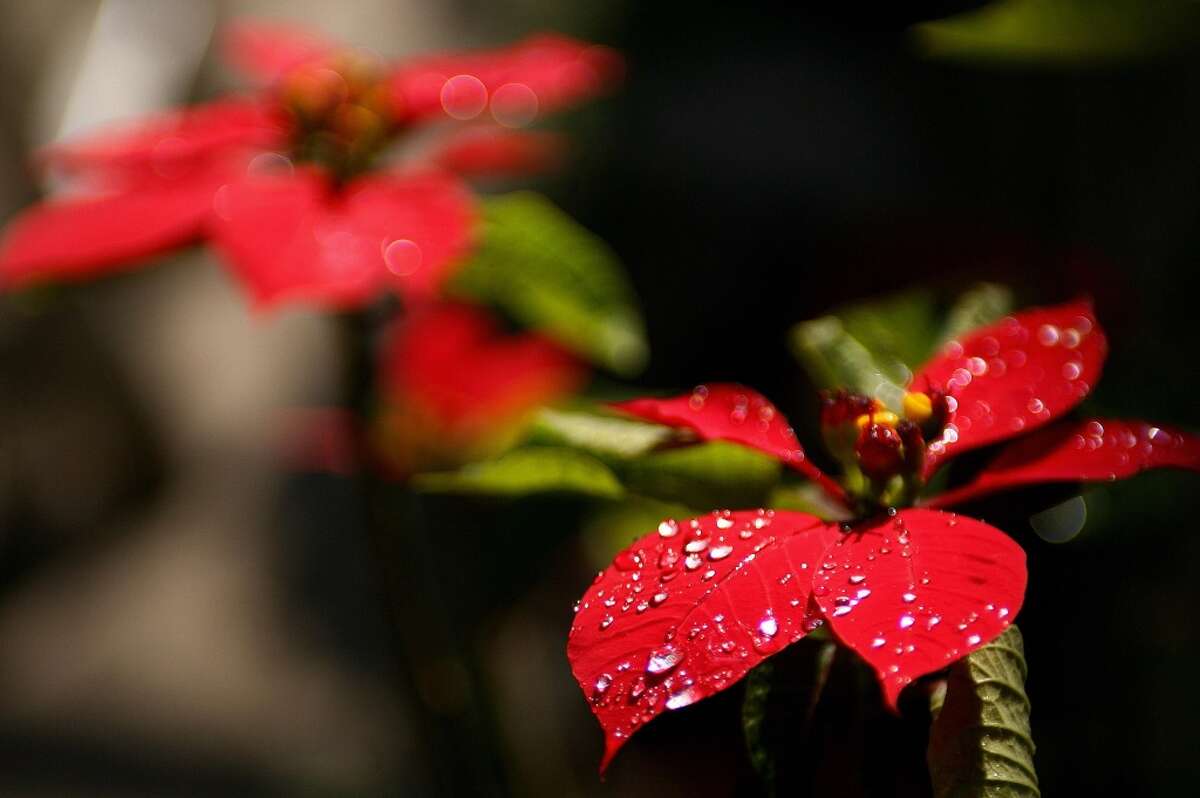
point(453, 388)
point(290, 184)
point(688, 609)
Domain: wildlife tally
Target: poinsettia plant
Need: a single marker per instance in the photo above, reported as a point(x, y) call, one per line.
point(305, 186)
point(691, 607)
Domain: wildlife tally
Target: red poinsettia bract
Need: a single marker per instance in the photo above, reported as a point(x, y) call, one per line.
point(454, 389)
point(689, 608)
point(290, 183)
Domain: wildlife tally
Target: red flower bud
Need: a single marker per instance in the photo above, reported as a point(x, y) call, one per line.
point(914, 446)
point(880, 452)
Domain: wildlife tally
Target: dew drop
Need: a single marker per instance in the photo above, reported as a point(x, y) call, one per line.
point(973, 640)
point(857, 579)
point(693, 562)
point(878, 642)
point(694, 546)
point(720, 552)
point(668, 528)
point(606, 622)
point(603, 682)
point(908, 598)
point(1048, 335)
point(906, 621)
point(664, 659)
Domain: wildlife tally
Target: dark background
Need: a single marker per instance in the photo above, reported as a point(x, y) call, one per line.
point(762, 164)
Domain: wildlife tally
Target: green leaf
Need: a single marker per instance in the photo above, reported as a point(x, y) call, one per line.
point(607, 437)
point(983, 304)
point(870, 347)
point(780, 699)
point(807, 497)
point(897, 329)
point(548, 272)
point(1066, 32)
point(520, 472)
point(706, 475)
point(980, 742)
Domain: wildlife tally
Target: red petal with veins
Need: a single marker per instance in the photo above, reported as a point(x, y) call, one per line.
point(83, 236)
point(556, 70)
point(294, 237)
point(1014, 376)
point(264, 51)
point(167, 145)
point(731, 412)
point(913, 593)
point(688, 609)
point(1085, 451)
point(468, 377)
point(490, 151)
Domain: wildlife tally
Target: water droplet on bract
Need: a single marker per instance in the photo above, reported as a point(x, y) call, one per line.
point(724, 523)
point(1071, 337)
point(768, 627)
point(973, 640)
point(745, 534)
point(698, 398)
point(642, 606)
point(694, 546)
point(693, 562)
point(720, 552)
point(514, 105)
point(908, 598)
point(664, 659)
point(878, 642)
point(668, 558)
point(857, 579)
point(606, 622)
point(1071, 370)
point(610, 601)
point(1002, 612)
point(709, 574)
point(464, 97)
point(840, 611)
point(668, 528)
point(1036, 406)
point(683, 698)
point(1048, 335)
point(820, 590)
point(906, 621)
point(603, 682)
point(933, 621)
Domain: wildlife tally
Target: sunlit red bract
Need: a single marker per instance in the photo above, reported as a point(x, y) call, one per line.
point(910, 590)
point(290, 183)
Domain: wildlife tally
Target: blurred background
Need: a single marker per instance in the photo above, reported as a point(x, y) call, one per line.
point(182, 615)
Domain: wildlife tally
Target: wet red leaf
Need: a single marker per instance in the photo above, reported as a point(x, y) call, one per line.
point(913, 593)
point(1083, 451)
point(295, 237)
point(731, 412)
point(488, 151)
point(1014, 376)
point(688, 609)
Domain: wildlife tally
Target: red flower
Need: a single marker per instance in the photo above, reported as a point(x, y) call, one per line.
point(288, 184)
point(688, 609)
point(454, 389)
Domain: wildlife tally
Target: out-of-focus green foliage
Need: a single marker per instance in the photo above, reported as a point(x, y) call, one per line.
point(607, 437)
point(537, 469)
point(980, 742)
point(983, 304)
point(869, 346)
point(706, 475)
point(545, 270)
point(1066, 32)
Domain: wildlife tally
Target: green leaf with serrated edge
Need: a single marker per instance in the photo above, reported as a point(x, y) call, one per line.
point(520, 472)
point(780, 697)
point(705, 475)
point(1061, 32)
point(609, 438)
point(836, 359)
point(980, 742)
point(980, 305)
point(548, 272)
